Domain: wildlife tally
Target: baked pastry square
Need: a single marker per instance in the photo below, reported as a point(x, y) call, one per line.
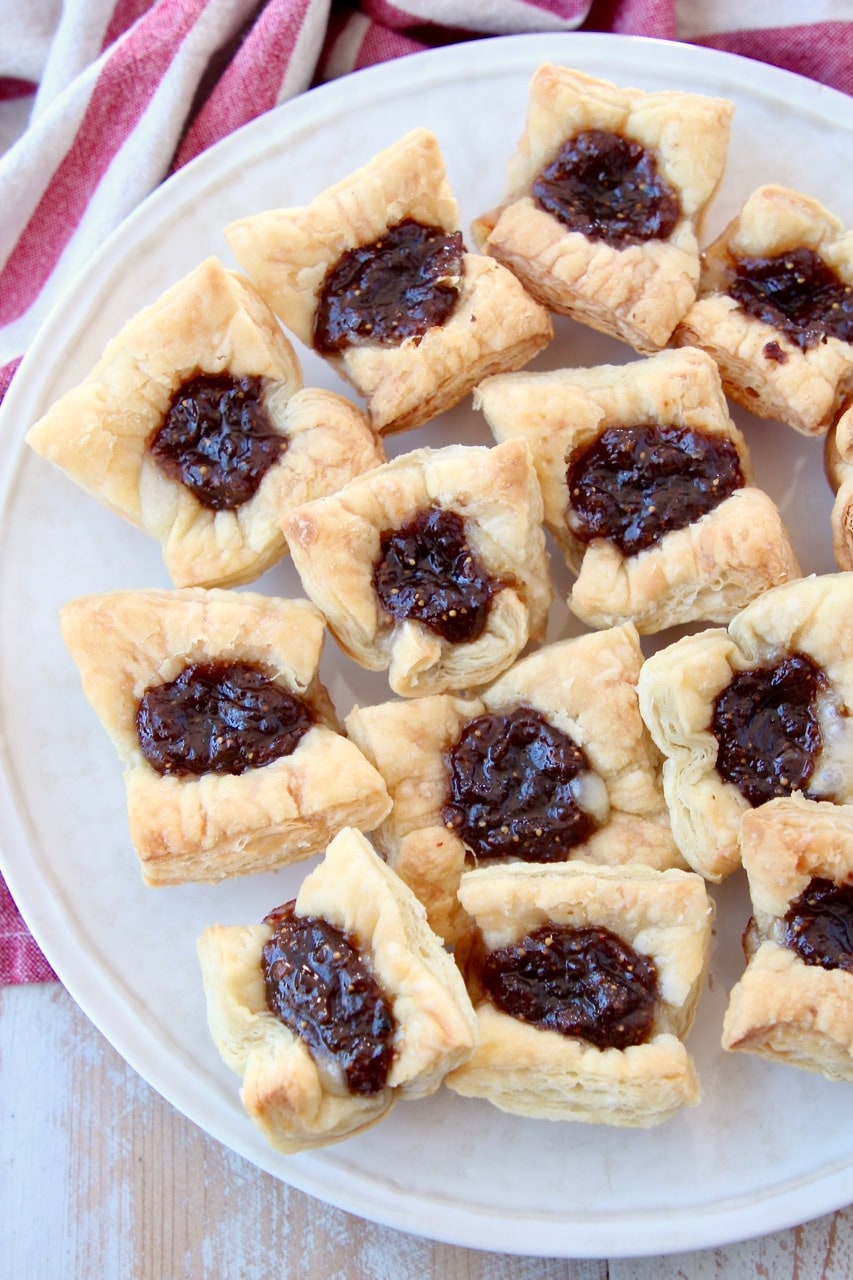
point(775, 309)
point(606, 196)
point(794, 1003)
point(838, 457)
point(551, 761)
point(397, 1015)
point(759, 710)
point(544, 940)
point(648, 488)
point(195, 427)
point(233, 758)
point(432, 566)
point(373, 275)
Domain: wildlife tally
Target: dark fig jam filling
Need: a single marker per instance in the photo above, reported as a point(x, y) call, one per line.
point(636, 484)
point(219, 717)
point(428, 572)
point(608, 188)
point(797, 293)
point(396, 288)
point(583, 982)
point(819, 925)
point(217, 440)
point(766, 725)
point(320, 985)
point(513, 789)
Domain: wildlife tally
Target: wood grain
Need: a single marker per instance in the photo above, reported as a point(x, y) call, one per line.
point(101, 1179)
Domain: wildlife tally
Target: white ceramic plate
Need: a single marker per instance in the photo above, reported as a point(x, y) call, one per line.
point(769, 1146)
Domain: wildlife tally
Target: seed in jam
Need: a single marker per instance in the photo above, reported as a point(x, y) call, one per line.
point(608, 188)
point(636, 484)
point(396, 288)
point(797, 293)
point(427, 571)
point(219, 717)
point(583, 982)
point(321, 987)
point(766, 725)
point(217, 440)
point(819, 925)
point(513, 788)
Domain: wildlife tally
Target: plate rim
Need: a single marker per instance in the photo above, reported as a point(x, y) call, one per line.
point(666, 1231)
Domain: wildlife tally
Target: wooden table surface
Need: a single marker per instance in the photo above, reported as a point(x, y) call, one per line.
point(101, 1179)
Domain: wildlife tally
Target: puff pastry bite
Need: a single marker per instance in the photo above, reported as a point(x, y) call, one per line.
point(373, 275)
point(647, 487)
point(585, 982)
point(432, 566)
point(550, 762)
point(606, 195)
point(794, 1003)
point(838, 457)
point(759, 710)
point(195, 427)
point(338, 1005)
point(775, 309)
point(233, 758)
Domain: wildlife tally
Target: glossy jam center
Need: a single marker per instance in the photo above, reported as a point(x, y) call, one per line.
point(219, 717)
point(608, 188)
point(427, 571)
point(396, 288)
point(635, 484)
point(513, 788)
point(583, 982)
point(797, 293)
point(217, 440)
point(320, 985)
point(767, 729)
point(819, 925)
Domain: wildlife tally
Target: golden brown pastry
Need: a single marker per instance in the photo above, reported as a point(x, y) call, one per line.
point(689, 537)
point(410, 362)
point(297, 1089)
point(794, 1003)
point(629, 270)
point(838, 457)
point(582, 777)
point(432, 566)
point(204, 364)
point(649, 931)
point(753, 712)
point(163, 670)
point(775, 309)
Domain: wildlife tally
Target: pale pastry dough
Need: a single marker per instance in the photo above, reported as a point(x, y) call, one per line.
point(838, 456)
point(494, 326)
point(520, 1068)
point(335, 544)
point(585, 687)
point(678, 688)
point(637, 293)
point(761, 367)
point(296, 1098)
point(209, 827)
point(99, 432)
point(707, 570)
point(782, 1008)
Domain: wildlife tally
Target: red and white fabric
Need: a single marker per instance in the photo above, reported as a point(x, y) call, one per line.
point(100, 100)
